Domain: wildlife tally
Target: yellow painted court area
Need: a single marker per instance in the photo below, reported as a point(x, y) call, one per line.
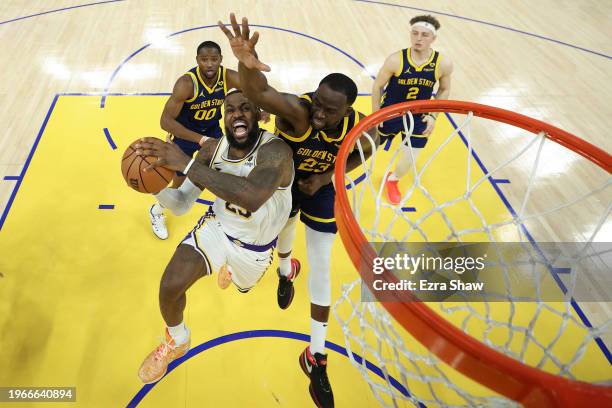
point(79, 293)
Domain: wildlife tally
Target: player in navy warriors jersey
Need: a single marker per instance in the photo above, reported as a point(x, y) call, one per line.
point(411, 74)
point(191, 114)
point(314, 125)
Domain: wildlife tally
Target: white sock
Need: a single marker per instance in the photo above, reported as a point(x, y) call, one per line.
point(284, 265)
point(318, 331)
point(179, 333)
point(157, 209)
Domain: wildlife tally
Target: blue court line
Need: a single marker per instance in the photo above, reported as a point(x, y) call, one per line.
point(27, 163)
point(561, 270)
point(357, 181)
point(116, 71)
point(500, 181)
point(132, 55)
point(58, 10)
point(106, 206)
point(388, 144)
point(534, 244)
point(541, 37)
point(12, 177)
point(110, 140)
point(285, 334)
point(205, 202)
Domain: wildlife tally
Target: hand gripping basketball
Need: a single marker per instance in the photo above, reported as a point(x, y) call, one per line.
point(133, 167)
point(168, 154)
point(243, 46)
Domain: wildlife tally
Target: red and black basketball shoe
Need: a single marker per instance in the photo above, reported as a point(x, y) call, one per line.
point(315, 367)
point(285, 291)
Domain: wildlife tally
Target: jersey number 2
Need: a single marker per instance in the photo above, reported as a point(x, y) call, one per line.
point(412, 93)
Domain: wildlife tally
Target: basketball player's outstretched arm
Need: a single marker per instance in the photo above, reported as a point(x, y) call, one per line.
point(183, 90)
point(233, 81)
point(254, 83)
point(171, 156)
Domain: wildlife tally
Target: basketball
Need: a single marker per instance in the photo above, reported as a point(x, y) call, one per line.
point(132, 167)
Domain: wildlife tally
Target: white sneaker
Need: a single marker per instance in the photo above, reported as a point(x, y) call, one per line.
point(158, 223)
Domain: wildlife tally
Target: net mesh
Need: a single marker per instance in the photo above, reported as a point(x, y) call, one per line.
point(529, 324)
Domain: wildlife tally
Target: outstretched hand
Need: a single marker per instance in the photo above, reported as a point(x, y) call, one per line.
point(168, 154)
point(243, 45)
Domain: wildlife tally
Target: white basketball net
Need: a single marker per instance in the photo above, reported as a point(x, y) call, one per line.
point(548, 335)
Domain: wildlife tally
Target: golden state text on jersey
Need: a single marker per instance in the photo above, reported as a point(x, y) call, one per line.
point(411, 81)
point(315, 151)
point(202, 112)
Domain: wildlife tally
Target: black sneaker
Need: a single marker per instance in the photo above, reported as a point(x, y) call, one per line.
point(285, 291)
point(315, 367)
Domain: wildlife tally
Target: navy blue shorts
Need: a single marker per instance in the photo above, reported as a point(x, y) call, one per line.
point(316, 211)
point(392, 127)
point(189, 147)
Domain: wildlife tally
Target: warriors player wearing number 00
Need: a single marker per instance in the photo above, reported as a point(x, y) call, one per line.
point(191, 114)
point(250, 171)
point(411, 74)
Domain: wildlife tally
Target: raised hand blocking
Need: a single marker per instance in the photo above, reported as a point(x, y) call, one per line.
point(243, 45)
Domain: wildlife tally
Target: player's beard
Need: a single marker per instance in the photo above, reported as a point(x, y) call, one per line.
point(248, 143)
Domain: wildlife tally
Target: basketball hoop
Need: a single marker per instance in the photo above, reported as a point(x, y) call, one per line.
point(508, 373)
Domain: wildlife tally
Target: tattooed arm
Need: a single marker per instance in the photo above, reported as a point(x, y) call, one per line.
point(274, 169)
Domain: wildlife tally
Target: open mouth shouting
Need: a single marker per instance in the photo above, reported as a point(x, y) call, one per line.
point(240, 129)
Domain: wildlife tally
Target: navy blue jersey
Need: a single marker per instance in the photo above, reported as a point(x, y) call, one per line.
point(202, 112)
point(412, 82)
point(315, 151)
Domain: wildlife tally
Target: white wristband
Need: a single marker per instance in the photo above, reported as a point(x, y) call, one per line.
point(202, 140)
point(188, 166)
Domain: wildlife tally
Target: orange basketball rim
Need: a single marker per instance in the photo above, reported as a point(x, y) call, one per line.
point(511, 378)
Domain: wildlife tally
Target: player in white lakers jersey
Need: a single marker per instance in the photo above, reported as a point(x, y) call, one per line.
point(251, 172)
